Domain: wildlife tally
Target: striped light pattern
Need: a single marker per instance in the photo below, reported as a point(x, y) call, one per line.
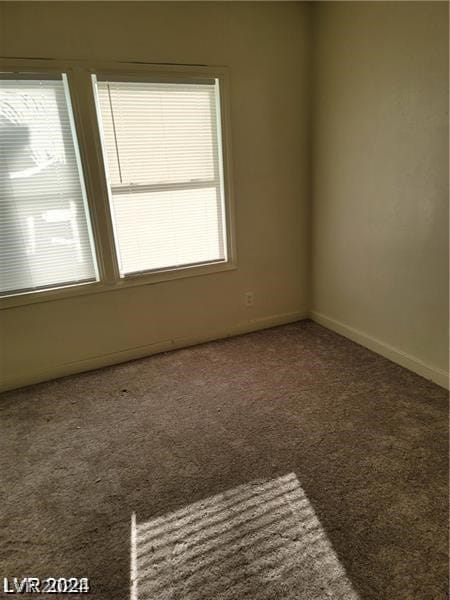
point(162, 149)
point(45, 235)
point(260, 540)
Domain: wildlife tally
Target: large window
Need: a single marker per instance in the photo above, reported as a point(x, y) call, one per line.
point(141, 194)
point(162, 150)
point(45, 235)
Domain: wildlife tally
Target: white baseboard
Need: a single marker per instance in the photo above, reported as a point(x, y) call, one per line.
point(96, 362)
point(398, 356)
point(104, 360)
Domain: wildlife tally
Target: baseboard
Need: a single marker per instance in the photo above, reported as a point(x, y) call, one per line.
point(104, 360)
point(398, 356)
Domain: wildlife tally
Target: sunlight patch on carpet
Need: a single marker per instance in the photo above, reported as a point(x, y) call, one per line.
point(261, 540)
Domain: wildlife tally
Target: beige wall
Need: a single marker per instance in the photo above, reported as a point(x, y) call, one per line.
point(380, 186)
point(375, 257)
point(265, 46)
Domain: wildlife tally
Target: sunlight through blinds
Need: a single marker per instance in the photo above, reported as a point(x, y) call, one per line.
point(45, 236)
point(162, 149)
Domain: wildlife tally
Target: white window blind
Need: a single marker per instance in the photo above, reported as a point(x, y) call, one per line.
point(162, 149)
point(45, 235)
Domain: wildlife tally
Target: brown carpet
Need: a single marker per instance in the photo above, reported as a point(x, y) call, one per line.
point(289, 463)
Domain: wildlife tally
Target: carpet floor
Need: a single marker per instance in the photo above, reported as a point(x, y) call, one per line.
point(284, 464)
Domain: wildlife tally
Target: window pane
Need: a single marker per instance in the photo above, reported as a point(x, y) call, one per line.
point(45, 237)
point(165, 229)
point(162, 151)
point(157, 132)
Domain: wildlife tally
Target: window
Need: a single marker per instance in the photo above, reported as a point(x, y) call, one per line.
point(110, 177)
point(45, 234)
point(161, 143)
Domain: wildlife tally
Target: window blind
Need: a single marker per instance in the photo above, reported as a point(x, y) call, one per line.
point(162, 150)
point(45, 235)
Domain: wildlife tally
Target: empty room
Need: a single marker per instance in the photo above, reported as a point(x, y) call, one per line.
point(224, 300)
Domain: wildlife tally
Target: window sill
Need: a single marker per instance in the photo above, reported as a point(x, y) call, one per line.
point(99, 287)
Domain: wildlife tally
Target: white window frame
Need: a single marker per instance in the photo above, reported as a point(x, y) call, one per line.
point(79, 76)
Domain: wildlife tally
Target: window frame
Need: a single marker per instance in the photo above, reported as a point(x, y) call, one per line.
point(87, 128)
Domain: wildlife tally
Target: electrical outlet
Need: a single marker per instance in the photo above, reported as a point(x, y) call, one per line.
point(249, 298)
